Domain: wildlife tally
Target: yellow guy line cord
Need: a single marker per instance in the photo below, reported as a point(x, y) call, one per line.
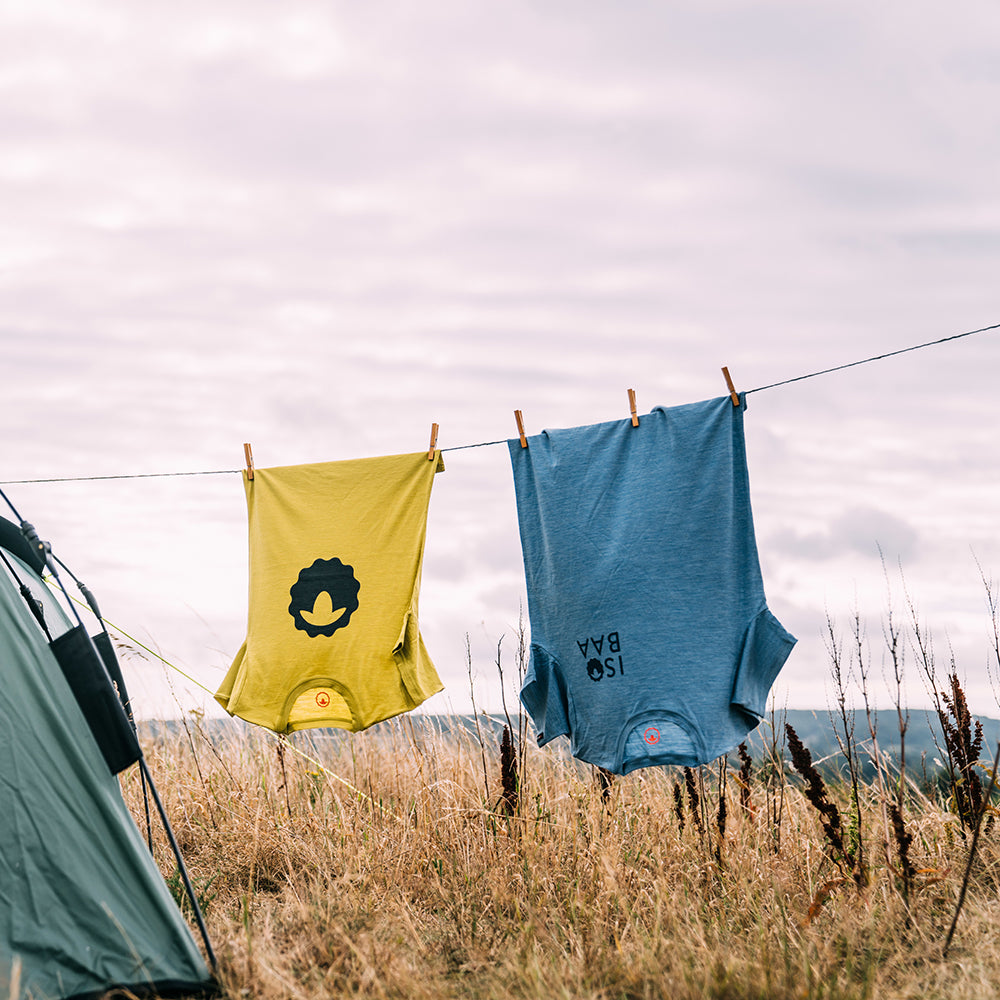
point(197, 683)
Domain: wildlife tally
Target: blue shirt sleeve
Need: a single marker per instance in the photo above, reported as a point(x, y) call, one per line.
point(544, 696)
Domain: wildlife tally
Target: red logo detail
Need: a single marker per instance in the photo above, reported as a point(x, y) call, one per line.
point(322, 699)
point(651, 735)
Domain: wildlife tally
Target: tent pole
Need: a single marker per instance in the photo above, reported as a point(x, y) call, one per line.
point(145, 802)
point(180, 865)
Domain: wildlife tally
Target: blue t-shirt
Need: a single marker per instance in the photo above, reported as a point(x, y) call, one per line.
point(651, 641)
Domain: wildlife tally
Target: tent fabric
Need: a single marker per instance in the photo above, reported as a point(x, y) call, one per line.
point(13, 541)
point(87, 674)
point(83, 907)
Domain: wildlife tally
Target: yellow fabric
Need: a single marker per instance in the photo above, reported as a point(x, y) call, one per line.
point(336, 550)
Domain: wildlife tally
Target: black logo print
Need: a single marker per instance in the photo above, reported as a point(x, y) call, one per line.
point(324, 597)
point(600, 665)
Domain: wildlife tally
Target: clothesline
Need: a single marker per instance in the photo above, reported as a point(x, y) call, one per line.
point(878, 357)
point(488, 444)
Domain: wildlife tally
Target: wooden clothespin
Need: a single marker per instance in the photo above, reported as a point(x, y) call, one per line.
point(434, 441)
point(520, 428)
point(249, 457)
point(732, 388)
point(631, 406)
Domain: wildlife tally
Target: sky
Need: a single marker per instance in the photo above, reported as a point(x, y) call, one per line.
point(322, 227)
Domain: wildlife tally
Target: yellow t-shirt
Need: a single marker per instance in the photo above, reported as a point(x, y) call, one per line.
point(336, 550)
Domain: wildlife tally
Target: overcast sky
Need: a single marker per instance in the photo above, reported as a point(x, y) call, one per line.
point(320, 227)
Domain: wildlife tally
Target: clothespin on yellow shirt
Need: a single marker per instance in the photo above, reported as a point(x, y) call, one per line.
point(732, 388)
point(520, 428)
point(434, 441)
point(249, 457)
point(631, 406)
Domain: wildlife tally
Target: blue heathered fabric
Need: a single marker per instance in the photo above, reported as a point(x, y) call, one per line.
point(651, 641)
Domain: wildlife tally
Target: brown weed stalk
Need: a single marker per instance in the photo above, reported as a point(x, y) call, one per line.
point(694, 801)
point(679, 805)
point(605, 781)
point(508, 774)
point(746, 778)
point(963, 743)
point(720, 816)
point(816, 793)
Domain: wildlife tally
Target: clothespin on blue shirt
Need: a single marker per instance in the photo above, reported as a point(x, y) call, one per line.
point(732, 388)
point(520, 428)
point(631, 404)
point(249, 457)
point(434, 441)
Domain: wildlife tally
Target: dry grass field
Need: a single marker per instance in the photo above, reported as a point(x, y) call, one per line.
point(381, 865)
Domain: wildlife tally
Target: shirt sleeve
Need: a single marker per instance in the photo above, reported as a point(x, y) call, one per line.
point(765, 648)
point(543, 694)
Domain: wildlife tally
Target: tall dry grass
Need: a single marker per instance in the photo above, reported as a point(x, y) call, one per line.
point(386, 872)
point(410, 862)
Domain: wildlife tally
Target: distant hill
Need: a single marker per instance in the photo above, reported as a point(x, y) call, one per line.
point(815, 728)
point(924, 741)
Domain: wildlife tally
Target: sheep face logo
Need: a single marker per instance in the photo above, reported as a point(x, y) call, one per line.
point(595, 669)
point(324, 597)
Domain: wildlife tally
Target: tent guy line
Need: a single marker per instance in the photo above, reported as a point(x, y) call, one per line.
point(488, 444)
point(119, 631)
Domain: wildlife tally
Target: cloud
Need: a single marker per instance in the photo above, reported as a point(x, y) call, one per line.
point(867, 531)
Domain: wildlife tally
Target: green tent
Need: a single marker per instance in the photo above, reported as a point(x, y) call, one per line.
point(83, 906)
